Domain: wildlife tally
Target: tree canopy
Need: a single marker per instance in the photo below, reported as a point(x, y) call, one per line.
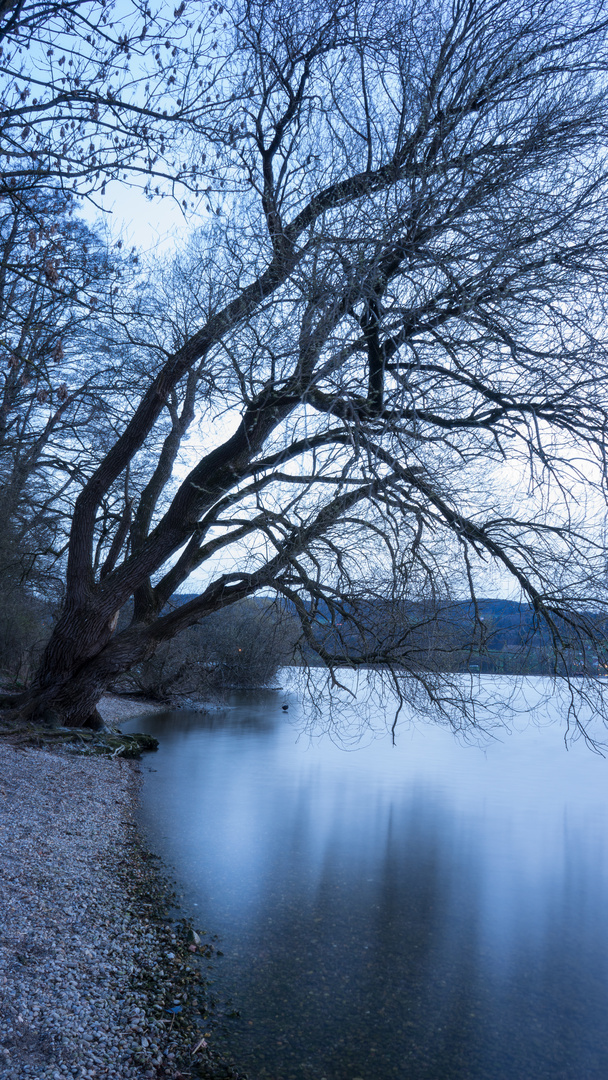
point(382, 355)
point(95, 90)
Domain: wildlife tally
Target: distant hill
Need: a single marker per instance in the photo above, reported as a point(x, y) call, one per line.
point(505, 637)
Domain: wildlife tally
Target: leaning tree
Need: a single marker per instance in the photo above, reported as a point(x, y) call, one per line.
point(385, 371)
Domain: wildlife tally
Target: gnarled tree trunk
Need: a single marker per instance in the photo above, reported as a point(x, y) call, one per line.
point(76, 670)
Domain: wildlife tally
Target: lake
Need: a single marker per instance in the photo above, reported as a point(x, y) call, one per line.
point(425, 911)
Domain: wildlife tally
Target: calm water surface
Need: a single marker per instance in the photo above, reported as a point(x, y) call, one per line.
point(430, 911)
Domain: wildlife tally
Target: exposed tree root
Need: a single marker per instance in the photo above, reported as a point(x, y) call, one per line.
point(78, 740)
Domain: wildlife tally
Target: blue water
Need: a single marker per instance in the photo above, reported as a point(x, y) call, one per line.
point(424, 911)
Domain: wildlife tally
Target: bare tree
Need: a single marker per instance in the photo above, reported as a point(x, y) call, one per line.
point(58, 381)
point(240, 646)
point(394, 351)
point(95, 90)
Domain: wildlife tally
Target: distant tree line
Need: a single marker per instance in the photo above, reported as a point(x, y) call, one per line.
point(491, 636)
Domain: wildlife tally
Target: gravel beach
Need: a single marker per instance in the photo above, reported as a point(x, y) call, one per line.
point(95, 979)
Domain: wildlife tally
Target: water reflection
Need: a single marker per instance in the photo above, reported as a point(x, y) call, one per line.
point(426, 911)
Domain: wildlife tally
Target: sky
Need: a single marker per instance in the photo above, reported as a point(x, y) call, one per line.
point(151, 226)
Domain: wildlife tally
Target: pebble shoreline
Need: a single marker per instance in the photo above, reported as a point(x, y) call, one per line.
point(89, 965)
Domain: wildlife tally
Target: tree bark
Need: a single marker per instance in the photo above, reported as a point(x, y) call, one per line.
point(69, 686)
